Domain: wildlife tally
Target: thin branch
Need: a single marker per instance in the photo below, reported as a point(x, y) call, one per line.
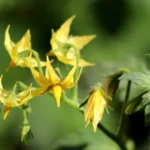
point(112, 136)
point(122, 112)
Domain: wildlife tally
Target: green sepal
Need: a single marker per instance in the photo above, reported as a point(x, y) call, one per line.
point(26, 133)
point(27, 108)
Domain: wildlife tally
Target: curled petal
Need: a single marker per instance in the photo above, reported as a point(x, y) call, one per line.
point(8, 43)
point(6, 111)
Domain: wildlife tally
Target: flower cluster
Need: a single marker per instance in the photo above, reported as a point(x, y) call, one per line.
point(67, 49)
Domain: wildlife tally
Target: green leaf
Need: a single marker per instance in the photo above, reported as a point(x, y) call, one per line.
point(146, 99)
point(147, 115)
point(134, 105)
point(140, 78)
point(146, 105)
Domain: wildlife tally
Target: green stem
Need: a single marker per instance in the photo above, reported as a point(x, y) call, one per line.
point(116, 139)
point(26, 129)
point(24, 86)
point(75, 89)
point(25, 120)
point(121, 122)
point(38, 61)
point(73, 103)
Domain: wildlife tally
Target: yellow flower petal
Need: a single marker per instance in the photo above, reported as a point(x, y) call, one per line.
point(51, 74)
point(6, 111)
point(24, 43)
point(62, 33)
point(11, 65)
point(95, 108)
point(39, 78)
point(57, 91)
point(80, 41)
point(40, 91)
point(60, 57)
point(64, 47)
point(8, 43)
point(68, 82)
point(99, 108)
point(24, 93)
point(3, 92)
point(89, 106)
point(7, 106)
point(82, 63)
point(1, 86)
point(19, 51)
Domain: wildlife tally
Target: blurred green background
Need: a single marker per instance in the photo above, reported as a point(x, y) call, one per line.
point(123, 35)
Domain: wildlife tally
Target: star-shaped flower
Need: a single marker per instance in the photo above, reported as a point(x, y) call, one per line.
point(52, 82)
point(13, 98)
point(65, 47)
point(19, 52)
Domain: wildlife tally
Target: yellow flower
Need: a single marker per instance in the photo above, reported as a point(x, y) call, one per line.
point(12, 98)
point(64, 47)
point(19, 52)
point(52, 82)
point(95, 108)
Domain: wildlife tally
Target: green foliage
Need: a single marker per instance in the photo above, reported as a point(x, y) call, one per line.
point(134, 105)
point(146, 99)
point(146, 105)
point(140, 78)
point(114, 51)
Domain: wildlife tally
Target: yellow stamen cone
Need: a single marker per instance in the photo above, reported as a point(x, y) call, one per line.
point(57, 90)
